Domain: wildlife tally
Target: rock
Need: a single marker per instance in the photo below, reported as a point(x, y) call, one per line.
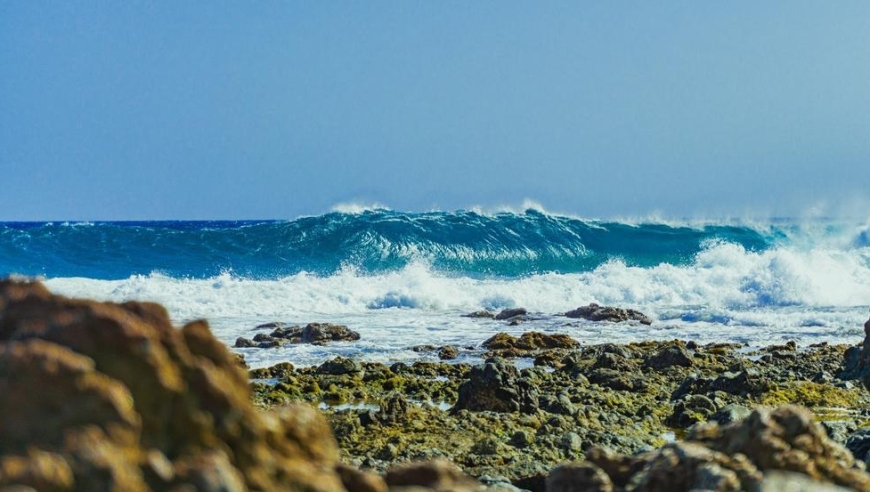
point(670, 356)
point(496, 386)
point(318, 333)
point(730, 413)
point(479, 314)
point(243, 342)
point(594, 312)
point(859, 444)
point(776, 481)
point(529, 341)
point(511, 313)
point(359, 481)
point(786, 438)
point(437, 475)
point(617, 380)
point(690, 410)
point(687, 466)
point(738, 383)
point(448, 352)
point(394, 409)
point(340, 366)
point(128, 402)
point(578, 477)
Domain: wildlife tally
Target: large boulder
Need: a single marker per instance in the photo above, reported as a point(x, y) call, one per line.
point(104, 396)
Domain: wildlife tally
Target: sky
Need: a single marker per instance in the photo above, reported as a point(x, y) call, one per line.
point(271, 110)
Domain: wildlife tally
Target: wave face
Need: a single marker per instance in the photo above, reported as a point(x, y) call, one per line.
point(403, 279)
point(372, 242)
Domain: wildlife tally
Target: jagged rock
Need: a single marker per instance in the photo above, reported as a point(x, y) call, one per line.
point(532, 340)
point(670, 356)
point(436, 475)
point(394, 409)
point(128, 402)
point(497, 386)
point(511, 313)
point(594, 312)
point(326, 332)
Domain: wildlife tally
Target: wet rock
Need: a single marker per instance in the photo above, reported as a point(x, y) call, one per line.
point(437, 475)
point(479, 314)
point(529, 341)
point(448, 352)
point(243, 342)
point(511, 313)
point(670, 356)
point(340, 366)
point(129, 402)
point(318, 333)
point(594, 312)
point(578, 477)
point(497, 386)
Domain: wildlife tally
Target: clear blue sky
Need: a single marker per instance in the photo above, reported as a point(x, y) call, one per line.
point(160, 110)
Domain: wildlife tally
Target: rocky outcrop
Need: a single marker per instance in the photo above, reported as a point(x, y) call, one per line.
point(594, 312)
point(507, 314)
point(528, 341)
point(103, 396)
point(312, 333)
point(767, 450)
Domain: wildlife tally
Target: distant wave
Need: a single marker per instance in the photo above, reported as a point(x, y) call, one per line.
point(378, 241)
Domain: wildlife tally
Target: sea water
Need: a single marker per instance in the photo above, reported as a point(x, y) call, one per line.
point(404, 279)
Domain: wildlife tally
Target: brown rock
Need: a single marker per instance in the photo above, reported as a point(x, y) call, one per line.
point(787, 438)
point(128, 402)
point(532, 340)
point(594, 312)
point(438, 475)
point(326, 332)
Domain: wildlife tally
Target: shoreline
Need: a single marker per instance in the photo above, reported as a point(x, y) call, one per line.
point(107, 396)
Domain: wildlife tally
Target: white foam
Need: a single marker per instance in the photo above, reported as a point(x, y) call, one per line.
point(808, 294)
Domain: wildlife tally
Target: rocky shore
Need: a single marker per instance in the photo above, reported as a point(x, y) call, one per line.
point(103, 396)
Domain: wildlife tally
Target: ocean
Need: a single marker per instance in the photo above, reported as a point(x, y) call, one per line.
point(404, 279)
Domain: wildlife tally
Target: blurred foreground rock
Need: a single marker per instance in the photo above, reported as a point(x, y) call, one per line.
point(102, 396)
